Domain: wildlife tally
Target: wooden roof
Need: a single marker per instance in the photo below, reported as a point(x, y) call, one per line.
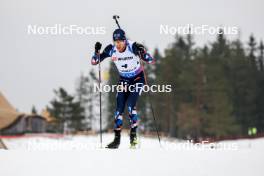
point(8, 113)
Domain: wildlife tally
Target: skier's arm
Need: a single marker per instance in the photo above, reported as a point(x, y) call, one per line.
point(101, 56)
point(141, 51)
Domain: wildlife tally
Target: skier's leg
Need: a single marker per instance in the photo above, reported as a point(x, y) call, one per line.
point(133, 96)
point(120, 99)
point(120, 106)
point(133, 116)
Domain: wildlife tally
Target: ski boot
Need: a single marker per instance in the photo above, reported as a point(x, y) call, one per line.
point(133, 138)
point(115, 144)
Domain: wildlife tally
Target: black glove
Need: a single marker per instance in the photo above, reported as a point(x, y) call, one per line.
point(140, 48)
point(97, 47)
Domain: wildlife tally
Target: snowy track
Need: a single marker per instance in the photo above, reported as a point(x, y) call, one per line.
point(81, 155)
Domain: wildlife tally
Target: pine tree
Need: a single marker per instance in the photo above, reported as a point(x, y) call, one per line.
point(219, 120)
point(87, 97)
point(261, 56)
point(34, 110)
point(69, 112)
point(260, 93)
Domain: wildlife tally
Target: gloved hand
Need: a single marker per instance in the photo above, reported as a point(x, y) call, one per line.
point(95, 59)
point(140, 48)
point(148, 58)
point(97, 47)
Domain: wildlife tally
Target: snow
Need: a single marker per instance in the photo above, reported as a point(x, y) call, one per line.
point(81, 155)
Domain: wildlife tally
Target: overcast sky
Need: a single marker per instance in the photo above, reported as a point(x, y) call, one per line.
point(31, 66)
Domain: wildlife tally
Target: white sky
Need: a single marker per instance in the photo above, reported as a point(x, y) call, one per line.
point(31, 66)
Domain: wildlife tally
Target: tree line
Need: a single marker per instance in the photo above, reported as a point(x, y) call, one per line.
point(217, 91)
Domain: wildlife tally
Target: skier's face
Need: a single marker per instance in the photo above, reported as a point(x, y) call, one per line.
point(120, 45)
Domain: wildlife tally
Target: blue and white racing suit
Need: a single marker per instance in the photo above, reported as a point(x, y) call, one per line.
point(131, 73)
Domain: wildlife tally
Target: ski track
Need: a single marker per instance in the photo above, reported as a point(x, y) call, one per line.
point(82, 155)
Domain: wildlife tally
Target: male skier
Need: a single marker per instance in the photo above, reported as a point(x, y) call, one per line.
point(126, 55)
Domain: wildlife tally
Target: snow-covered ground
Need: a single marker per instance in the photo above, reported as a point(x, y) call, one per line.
point(82, 155)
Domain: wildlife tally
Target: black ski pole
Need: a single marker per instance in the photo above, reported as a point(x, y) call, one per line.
point(115, 17)
point(100, 99)
point(151, 106)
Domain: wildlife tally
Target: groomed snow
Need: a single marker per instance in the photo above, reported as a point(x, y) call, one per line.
point(82, 155)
